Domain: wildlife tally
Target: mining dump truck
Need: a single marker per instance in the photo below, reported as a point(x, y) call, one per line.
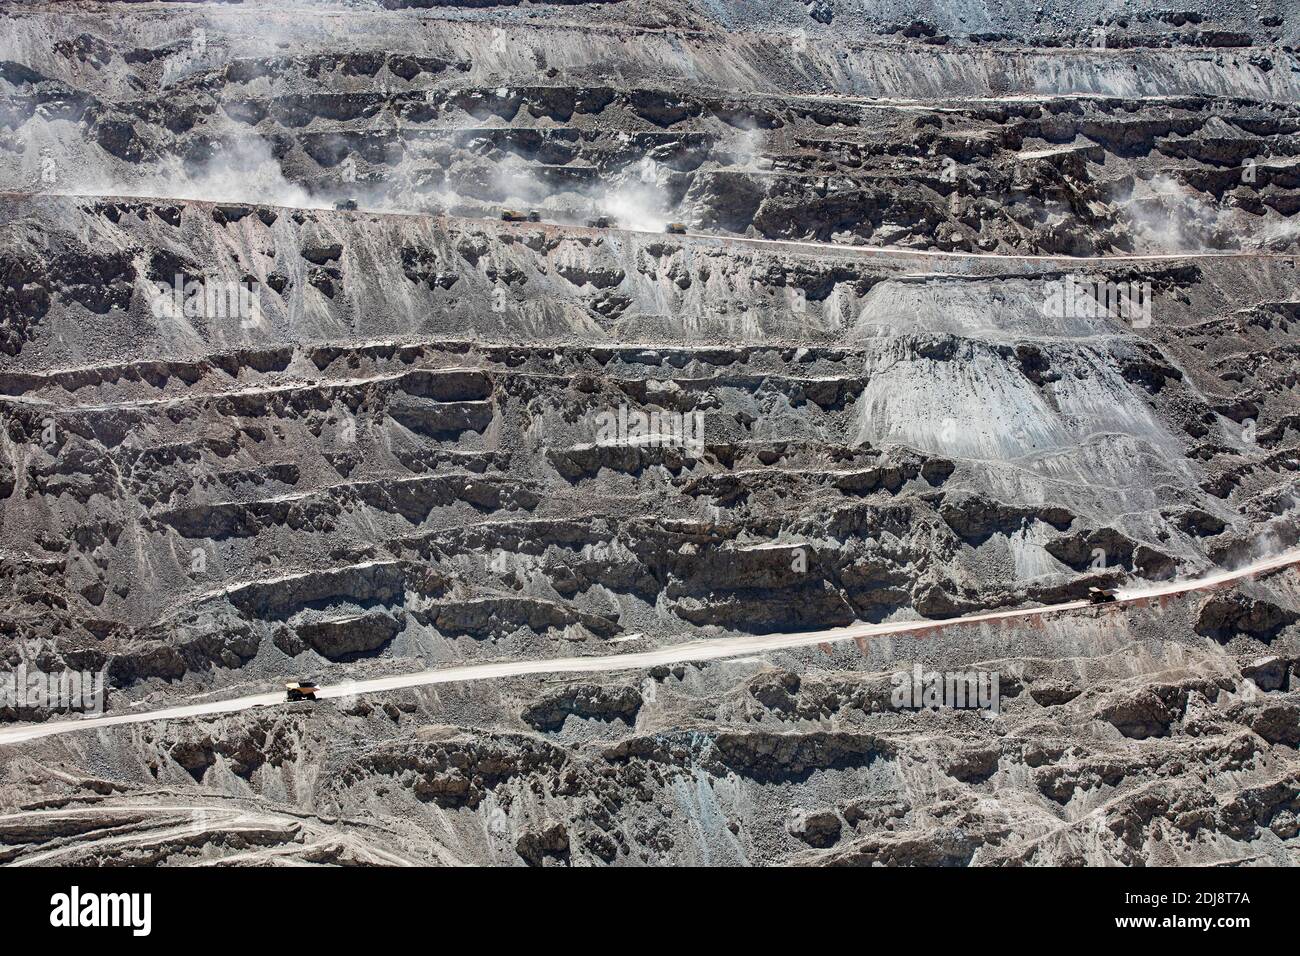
point(301, 689)
point(514, 215)
point(601, 222)
point(346, 205)
point(1101, 595)
point(676, 228)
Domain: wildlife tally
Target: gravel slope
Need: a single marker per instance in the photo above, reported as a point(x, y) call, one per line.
point(393, 460)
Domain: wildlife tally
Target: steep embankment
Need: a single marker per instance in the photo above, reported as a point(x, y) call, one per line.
point(887, 389)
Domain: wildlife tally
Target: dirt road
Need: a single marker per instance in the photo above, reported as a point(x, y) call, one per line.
point(677, 653)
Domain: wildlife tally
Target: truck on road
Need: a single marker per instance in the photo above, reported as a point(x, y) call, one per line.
point(301, 689)
point(1098, 595)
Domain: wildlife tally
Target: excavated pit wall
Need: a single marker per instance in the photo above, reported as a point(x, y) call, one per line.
point(393, 459)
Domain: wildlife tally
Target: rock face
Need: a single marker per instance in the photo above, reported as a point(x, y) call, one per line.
point(584, 700)
point(963, 316)
point(1222, 617)
point(819, 828)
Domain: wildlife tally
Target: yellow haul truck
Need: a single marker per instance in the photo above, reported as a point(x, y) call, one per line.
point(301, 689)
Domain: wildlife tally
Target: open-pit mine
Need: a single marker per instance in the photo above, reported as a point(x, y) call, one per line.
point(816, 432)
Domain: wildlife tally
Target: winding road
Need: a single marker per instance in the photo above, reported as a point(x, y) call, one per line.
point(701, 650)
